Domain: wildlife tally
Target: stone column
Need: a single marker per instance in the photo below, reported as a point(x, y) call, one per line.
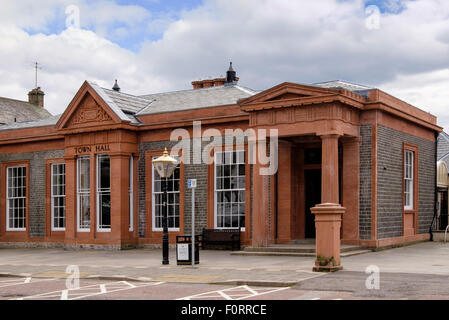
point(260, 213)
point(70, 211)
point(285, 199)
point(328, 213)
point(119, 198)
point(350, 190)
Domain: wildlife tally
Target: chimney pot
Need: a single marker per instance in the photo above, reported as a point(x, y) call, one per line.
point(116, 87)
point(231, 75)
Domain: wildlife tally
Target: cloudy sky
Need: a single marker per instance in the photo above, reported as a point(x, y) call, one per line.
point(399, 46)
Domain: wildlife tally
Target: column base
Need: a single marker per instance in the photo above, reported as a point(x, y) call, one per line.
point(327, 224)
point(327, 268)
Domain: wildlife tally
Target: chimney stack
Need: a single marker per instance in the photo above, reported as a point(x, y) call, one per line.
point(231, 79)
point(36, 97)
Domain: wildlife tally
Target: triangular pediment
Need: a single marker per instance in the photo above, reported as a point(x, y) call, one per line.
point(286, 91)
point(87, 109)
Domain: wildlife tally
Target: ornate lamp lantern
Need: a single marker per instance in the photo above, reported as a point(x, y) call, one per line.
point(165, 166)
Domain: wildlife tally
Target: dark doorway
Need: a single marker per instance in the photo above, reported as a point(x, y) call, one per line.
point(313, 197)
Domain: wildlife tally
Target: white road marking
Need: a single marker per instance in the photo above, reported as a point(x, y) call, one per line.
point(88, 291)
point(64, 294)
point(224, 295)
point(21, 281)
point(234, 293)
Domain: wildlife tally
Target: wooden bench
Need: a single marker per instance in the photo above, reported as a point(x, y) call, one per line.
point(217, 239)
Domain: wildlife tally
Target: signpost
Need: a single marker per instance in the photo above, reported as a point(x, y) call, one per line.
point(191, 184)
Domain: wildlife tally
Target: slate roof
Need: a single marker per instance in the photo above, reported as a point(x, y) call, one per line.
point(195, 99)
point(127, 102)
point(339, 84)
point(11, 109)
point(443, 147)
point(111, 103)
point(49, 121)
point(128, 107)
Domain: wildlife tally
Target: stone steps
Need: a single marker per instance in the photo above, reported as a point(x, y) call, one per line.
point(296, 250)
point(294, 254)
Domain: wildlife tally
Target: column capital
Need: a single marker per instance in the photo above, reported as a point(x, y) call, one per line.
point(330, 134)
point(120, 154)
point(69, 158)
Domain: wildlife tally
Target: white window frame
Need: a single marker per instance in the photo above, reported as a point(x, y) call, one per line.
point(409, 179)
point(53, 196)
point(80, 192)
point(242, 229)
point(153, 201)
point(102, 191)
point(131, 193)
point(8, 227)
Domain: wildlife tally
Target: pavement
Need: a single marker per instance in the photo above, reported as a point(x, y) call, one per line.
point(422, 261)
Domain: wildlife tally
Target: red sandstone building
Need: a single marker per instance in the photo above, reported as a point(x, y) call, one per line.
point(85, 178)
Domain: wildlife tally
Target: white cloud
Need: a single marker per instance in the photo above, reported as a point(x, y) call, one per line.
point(427, 91)
point(268, 41)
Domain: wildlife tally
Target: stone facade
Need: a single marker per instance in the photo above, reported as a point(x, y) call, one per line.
point(365, 182)
point(390, 181)
point(191, 171)
point(36, 174)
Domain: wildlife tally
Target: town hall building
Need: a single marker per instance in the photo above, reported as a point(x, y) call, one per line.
point(355, 166)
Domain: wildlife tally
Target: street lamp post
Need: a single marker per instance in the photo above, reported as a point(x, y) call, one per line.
point(165, 166)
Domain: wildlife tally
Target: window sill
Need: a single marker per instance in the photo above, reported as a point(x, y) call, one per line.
point(169, 230)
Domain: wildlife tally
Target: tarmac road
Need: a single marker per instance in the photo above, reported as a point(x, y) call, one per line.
point(420, 271)
point(335, 286)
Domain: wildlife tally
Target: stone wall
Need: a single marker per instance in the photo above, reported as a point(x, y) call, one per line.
point(37, 175)
point(365, 182)
point(390, 181)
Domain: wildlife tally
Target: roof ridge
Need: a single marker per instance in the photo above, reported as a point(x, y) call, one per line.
point(345, 81)
point(123, 93)
point(23, 101)
point(185, 90)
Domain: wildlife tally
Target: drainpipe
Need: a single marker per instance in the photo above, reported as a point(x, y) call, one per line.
point(436, 187)
point(276, 194)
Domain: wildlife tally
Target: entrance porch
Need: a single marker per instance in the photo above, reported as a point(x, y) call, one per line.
point(298, 187)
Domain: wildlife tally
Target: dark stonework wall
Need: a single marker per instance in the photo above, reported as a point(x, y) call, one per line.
point(390, 176)
point(36, 174)
point(191, 171)
point(365, 182)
